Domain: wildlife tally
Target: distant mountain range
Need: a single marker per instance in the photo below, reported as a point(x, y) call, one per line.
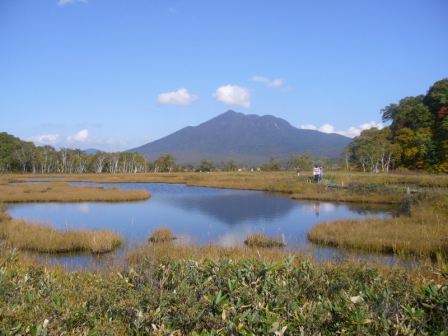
point(91, 151)
point(244, 138)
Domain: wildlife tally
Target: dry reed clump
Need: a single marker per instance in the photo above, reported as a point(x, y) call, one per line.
point(161, 235)
point(415, 179)
point(261, 240)
point(3, 214)
point(423, 234)
point(42, 238)
point(322, 193)
point(63, 192)
point(156, 253)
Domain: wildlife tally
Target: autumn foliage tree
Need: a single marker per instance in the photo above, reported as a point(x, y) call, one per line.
point(373, 151)
point(437, 102)
point(417, 137)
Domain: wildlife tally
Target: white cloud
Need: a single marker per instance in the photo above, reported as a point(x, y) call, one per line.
point(179, 97)
point(274, 83)
point(81, 136)
point(308, 127)
point(45, 139)
point(68, 2)
point(356, 130)
point(233, 95)
point(327, 128)
point(351, 132)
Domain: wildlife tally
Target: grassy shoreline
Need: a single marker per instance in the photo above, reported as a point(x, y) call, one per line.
point(345, 187)
point(261, 178)
point(64, 192)
point(424, 233)
point(45, 239)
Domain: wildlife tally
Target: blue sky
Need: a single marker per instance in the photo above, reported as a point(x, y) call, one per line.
point(115, 74)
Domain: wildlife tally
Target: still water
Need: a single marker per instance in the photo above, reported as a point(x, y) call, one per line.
point(195, 214)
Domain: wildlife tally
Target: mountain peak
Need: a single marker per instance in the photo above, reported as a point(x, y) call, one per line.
point(229, 114)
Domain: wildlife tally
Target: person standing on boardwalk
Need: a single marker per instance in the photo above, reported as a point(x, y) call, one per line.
point(321, 173)
point(316, 173)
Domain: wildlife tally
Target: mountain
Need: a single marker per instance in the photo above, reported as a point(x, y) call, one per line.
point(91, 151)
point(244, 138)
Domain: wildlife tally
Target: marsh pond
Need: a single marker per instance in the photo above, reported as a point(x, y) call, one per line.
point(195, 214)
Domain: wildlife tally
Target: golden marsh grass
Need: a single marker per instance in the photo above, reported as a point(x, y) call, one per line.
point(425, 233)
point(161, 235)
point(43, 238)
point(283, 182)
point(279, 180)
point(64, 192)
point(155, 253)
point(321, 193)
point(261, 240)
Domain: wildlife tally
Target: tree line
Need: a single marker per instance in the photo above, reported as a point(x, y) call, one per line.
point(417, 137)
point(21, 156)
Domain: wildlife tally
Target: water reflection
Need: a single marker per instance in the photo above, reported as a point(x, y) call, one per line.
point(195, 214)
point(235, 208)
point(316, 209)
point(84, 208)
point(365, 209)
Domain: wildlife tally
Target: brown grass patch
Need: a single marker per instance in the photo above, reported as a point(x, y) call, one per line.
point(423, 234)
point(63, 192)
point(161, 235)
point(322, 193)
point(43, 238)
point(283, 182)
point(261, 240)
point(155, 253)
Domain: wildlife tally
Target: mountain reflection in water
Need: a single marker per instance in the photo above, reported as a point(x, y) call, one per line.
point(233, 209)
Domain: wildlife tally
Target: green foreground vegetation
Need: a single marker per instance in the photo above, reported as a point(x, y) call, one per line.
point(226, 295)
